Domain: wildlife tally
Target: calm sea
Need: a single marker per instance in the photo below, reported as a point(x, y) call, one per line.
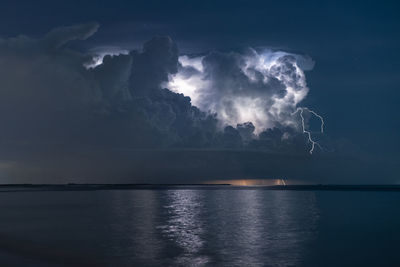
point(194, 226)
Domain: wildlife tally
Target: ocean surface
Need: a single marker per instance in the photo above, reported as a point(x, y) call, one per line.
point(197, 226)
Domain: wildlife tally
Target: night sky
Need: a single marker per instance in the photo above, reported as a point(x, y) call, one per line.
point(63, 121)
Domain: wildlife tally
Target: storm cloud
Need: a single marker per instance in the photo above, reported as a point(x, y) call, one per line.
point(48, 95)
point(64, 115)
point(263, 87)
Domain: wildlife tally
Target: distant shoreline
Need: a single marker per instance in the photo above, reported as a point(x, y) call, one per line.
point(97, 187)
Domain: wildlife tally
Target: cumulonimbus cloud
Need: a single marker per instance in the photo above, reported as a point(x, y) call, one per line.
point(262, 87)
point(229, 106)
point(237, 100)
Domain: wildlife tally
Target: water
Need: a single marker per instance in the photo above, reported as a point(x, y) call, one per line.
point(199, 227)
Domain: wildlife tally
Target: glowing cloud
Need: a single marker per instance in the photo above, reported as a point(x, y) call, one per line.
point(261, 87)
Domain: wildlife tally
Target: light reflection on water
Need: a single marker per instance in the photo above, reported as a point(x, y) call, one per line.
point(186, 227)
point(199, 227)
point(231, 228)
point(258, 228)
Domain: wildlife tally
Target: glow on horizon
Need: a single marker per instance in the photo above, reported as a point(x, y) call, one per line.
point(253, 182)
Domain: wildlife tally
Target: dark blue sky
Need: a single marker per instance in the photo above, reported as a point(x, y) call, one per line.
point(355, 83)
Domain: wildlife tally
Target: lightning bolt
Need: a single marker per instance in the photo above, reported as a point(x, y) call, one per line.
point(308, 133)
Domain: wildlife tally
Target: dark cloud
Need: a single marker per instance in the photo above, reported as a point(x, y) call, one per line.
point(153, 64)
point(112, 77)
point(49, 98)
point(246, 131)
point(61, 120)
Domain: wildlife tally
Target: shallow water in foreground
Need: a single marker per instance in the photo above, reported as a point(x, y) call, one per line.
point(200, 227)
